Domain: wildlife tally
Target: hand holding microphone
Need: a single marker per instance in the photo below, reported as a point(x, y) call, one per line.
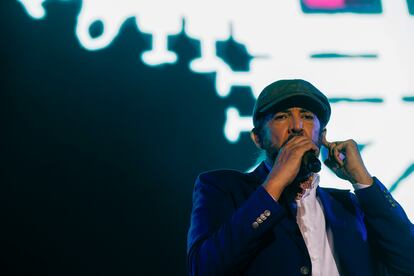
point(310, 162)
point(291, 163)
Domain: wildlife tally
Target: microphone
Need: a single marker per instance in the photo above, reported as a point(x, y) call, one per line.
point(310, 162)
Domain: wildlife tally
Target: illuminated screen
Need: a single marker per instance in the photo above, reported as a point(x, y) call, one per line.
point(359, 53)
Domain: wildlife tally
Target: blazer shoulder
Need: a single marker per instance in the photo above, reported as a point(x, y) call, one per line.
point(226, 179)
point(220, 175)
point(256, 175)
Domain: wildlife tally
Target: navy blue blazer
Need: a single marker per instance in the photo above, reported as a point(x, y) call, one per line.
point(371, 233)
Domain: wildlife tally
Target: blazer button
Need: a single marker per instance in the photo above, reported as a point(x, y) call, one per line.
point(304, 270)
point(267, 213)
point(255, 225)
point(263, 217)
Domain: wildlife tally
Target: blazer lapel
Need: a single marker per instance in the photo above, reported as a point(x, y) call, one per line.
point(349, 233)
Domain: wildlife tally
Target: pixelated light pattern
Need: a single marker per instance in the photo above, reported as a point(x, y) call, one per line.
point(236, 124)
point(347, 50)
point(34, 8)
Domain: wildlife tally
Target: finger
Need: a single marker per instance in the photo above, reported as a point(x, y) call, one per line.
point(335, 152)
point(299, 140)
point(305, 145)
point(342, 146)
point(337, 155)
point(333, 166)
point(295, 140)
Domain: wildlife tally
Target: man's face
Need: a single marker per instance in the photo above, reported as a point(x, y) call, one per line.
point(280, 126)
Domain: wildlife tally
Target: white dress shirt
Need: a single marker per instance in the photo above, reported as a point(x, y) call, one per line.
point(318, 238)
point(311, 220)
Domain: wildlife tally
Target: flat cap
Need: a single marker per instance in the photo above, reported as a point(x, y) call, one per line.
point(284, 94)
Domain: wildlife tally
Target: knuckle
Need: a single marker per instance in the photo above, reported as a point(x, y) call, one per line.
point(352, 141)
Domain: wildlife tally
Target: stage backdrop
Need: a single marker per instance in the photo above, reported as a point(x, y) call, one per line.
point(110, 110)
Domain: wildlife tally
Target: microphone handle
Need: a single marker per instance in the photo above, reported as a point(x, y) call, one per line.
point(310, 162)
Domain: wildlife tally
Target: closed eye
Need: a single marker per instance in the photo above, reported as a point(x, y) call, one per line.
point(308, 116)
point(280, 116)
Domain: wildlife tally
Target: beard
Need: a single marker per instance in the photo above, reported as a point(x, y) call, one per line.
point(271, 154)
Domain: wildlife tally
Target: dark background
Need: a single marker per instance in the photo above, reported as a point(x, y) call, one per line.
point(99, 152)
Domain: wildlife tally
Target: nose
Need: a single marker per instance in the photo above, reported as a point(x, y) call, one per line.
point(295, 124)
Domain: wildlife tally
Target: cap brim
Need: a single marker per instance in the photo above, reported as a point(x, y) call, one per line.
point(298, 99)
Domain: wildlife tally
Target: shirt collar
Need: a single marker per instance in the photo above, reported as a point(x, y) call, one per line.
point(310, 193)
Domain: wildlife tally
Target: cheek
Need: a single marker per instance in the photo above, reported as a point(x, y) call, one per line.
point(275, 134)
point(275, 138)
point(316, 133)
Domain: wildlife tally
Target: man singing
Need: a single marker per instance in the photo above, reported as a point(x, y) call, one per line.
point(276, 220)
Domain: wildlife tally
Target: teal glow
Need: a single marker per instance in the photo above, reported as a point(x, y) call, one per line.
point(408, 99)
point(405, 174)
point(34, 8)
point(354, 100)
point(340, 55)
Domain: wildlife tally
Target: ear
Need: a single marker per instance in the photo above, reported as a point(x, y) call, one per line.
point(323, 138)
point(256, 139)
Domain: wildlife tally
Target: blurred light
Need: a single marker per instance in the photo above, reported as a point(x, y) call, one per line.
point(360, 55)
point(34, 8)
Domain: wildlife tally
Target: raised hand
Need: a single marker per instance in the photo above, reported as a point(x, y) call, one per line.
point(287, 164)
point(344, 159)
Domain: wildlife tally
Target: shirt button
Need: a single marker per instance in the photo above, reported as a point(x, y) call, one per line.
point(255, 225)
point(267, 213)
point(304, 270)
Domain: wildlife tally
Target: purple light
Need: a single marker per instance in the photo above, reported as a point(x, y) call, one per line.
point(325, 4)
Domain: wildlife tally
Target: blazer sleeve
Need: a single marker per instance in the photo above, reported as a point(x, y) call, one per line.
point(389, 228)
point(222, 238)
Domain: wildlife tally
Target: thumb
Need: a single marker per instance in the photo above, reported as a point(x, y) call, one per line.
point(333, 166)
